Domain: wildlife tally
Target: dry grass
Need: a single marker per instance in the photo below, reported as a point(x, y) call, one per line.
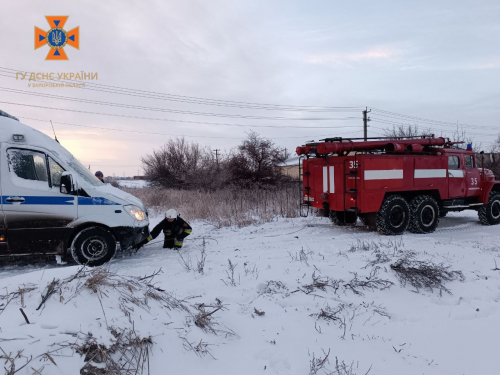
point(226, 207)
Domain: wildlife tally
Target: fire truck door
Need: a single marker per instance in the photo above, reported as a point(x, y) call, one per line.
point(472, 177)
point(456, 177)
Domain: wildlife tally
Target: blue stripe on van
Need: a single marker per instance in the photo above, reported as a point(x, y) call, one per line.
point(96, 201)
point(37, 200)
point(61, 201)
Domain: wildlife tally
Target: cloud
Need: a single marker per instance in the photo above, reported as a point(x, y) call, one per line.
point(373, 54)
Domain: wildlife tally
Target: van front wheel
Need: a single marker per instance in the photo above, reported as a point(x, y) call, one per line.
point(93, 246)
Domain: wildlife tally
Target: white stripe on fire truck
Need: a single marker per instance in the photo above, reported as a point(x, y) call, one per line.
point(456, 173)
point(430, 173)
point(332, 180)
point(325, 179)
point(384, 174)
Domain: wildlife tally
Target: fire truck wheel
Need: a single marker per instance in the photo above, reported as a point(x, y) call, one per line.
point(489, 214)
point(424, 214)
point(342, 218)
point(394, 215)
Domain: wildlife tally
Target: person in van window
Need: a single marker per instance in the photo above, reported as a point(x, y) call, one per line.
point(100, 176)
point(174, 228)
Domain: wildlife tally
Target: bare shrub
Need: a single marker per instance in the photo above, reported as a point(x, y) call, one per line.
point(113, 182)
point(185, 261)
point(251, 270)
point(128, 355)
point(200, 349)
point(302, 256)
point(200, 263)
point(11, 360)
point(380, 257)
point(321, 283)
point(187, 165)
point(341, 368)
point(203, 319)
point(9, 297)
point(370, 282)
point(230, 273)
point(425, 274)
point(317, 364)
point(275, 287)
point(334, 315)
point(256, 160)
point(181, 164)
point(362, 246)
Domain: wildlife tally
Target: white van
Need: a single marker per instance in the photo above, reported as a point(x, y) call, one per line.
point(52, 204)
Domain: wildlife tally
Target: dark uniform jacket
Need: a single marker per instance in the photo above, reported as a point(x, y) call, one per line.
point(175, 231)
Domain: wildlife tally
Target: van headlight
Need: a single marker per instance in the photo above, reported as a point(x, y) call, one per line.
point(135, 212)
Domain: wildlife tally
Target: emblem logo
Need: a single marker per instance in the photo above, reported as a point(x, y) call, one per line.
point(57, 38)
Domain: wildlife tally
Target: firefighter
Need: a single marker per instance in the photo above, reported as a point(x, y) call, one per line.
point(100, 176)
point(174, 228)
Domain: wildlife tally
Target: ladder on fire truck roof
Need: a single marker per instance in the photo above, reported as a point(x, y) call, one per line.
point(341, 139)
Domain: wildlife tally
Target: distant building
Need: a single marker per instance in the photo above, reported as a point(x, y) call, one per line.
point(140, 178)
point(291, 168)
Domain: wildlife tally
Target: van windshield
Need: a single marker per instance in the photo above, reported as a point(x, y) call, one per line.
point(84, 172)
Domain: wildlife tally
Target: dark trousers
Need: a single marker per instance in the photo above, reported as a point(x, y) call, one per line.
point(168, 243)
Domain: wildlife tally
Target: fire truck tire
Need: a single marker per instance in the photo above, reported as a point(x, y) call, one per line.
point(342, 218)
point(393, 216)
point(424, 214)
point(489, 214)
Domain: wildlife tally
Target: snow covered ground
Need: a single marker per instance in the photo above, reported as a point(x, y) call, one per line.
point(380, 327)
point(133, 183)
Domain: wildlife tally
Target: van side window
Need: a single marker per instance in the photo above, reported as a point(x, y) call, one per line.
point(453, 162)
point(28, 165)
point(469, 161)
point(55, 172)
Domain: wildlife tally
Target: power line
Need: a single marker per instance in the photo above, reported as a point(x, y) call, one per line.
point(169, 110)
point(171, 120)
point(434, 126)
point(399, 116)
point(194, 100)
point(153, 133)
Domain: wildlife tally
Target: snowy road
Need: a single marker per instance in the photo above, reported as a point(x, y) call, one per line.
point(393, 331)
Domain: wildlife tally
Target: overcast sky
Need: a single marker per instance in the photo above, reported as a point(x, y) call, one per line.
point(437, 60)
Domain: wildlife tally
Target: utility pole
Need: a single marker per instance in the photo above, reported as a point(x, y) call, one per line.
point(217, 157)
point(365, 122)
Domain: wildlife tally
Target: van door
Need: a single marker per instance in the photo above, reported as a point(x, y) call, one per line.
point(4, 249)
point(36, 213)
point(456, 177)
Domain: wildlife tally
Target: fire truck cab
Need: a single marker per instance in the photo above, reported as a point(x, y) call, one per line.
point(396, 185)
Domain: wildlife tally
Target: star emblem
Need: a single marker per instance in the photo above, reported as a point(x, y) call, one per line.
point(57, 38)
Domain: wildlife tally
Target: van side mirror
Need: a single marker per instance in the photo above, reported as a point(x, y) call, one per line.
point(66, 184)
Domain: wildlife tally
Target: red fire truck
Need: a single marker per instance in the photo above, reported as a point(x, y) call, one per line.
point(396, 185)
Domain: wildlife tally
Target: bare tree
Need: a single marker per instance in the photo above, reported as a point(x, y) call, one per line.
point(256, 160)
point(181, 164)
point(492, 158)
point(406, 131)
